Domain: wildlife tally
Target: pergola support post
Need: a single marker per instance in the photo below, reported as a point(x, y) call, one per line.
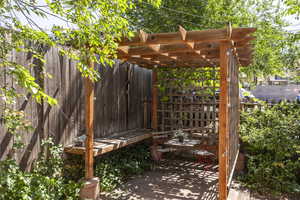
point(156, 156)
point(89, 123)
point(90, 189)
point(223, 120)
point(154, 104)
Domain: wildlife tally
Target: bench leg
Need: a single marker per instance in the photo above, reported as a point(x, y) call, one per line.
point(156, 155)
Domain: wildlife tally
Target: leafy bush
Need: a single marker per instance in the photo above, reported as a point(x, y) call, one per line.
point(115, 167)
point(44, 182)
point(73, 167)
point(112, 168)
point(271, 138)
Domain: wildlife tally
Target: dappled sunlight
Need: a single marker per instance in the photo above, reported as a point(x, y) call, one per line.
point(172, 179)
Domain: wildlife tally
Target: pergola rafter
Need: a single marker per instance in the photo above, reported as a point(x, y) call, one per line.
point(185, 48)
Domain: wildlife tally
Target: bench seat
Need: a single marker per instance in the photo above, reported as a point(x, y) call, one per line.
point(107, 144)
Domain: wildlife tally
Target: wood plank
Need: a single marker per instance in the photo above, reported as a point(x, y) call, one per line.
point(105, 145)
point(223, 121)
point(89, 107)
point(176, 48)
point(121, 144)
point(154, 100)
point(198, 36)
point(212, 53)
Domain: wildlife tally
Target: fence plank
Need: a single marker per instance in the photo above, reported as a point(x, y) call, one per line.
point(65, 121)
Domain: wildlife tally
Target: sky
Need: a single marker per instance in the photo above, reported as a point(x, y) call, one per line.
point(295, 27)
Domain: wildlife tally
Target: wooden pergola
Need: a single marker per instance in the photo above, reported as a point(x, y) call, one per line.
point(226, 48)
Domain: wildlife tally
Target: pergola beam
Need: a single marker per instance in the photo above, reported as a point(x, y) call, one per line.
point(172, 48)
point(216, 35)
point(207, 52)
point(181, 61)
point(214, 53)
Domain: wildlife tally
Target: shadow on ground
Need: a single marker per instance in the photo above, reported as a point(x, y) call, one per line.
point(172, 179)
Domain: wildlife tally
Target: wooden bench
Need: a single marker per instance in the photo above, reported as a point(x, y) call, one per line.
point(105, 145)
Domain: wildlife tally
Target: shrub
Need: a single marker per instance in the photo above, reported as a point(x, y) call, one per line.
point(73, 167)
point(45, 182)
point(115, 167)
point(271, 138)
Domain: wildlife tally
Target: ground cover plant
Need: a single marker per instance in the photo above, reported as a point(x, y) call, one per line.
point(271, 139)
point(44, 182)
point(113, 168)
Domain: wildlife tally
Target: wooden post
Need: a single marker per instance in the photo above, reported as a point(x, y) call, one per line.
point(145, 113)
point(154, 100)
point(223, 121)
point(89, 122)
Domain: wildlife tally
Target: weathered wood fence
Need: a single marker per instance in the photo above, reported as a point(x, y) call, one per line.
point(119, 103)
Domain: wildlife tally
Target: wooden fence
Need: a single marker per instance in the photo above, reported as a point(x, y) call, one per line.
point(119, 103)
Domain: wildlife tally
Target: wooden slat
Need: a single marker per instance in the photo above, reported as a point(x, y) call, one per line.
point(105, 145)
point(187, 59)
point(101, 149)
point(187, 50)
point(125, 51)
point(196, 36)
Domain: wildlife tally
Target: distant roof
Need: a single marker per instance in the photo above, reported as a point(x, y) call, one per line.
point(276, 92)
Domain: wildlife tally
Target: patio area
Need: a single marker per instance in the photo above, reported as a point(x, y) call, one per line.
point(180, 180)
point(171, 179)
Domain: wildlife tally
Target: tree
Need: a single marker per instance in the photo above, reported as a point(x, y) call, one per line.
point(272, 45)
point(98, 25)
point(293, 7)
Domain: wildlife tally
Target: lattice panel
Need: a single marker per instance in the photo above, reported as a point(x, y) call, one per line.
point(234, 115)
point(191, 106)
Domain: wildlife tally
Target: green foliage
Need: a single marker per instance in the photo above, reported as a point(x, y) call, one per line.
point(73, 167)
point(185, 79)
point(50, 164)
point(45, 182)
point(112, 168)
point(293, 7)
point(15, 122)
point(272, 144)
point(275, 49)
point(96, 26)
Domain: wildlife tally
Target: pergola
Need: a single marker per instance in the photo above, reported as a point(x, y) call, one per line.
point(225, 48)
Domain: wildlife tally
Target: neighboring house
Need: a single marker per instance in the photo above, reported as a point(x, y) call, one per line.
point(287, 78)
point(276, 92)
point(278, 80)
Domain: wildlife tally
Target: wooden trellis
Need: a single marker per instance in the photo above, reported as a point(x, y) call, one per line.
point(222, 49)
point(234, 114)
point(193, 106)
